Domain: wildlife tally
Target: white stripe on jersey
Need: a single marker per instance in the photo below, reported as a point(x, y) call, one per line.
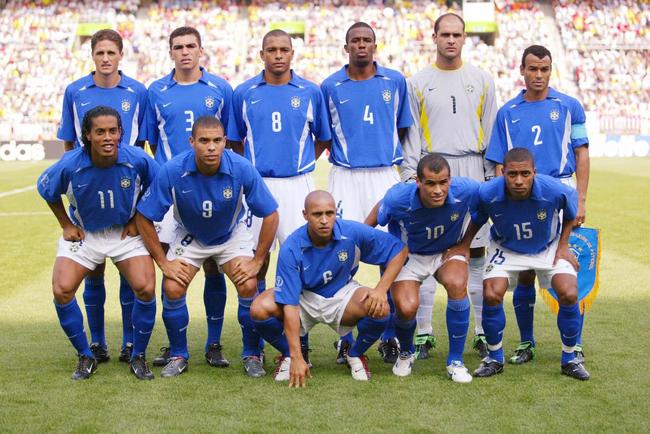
point(508, 139)
point(134, 125)
point(163, 135)
point(566, 141)
point(237, 210)
point(73, 202)
point(395, 130)
point(77, 124)
point(305, 135)
point(339, 132)
point(177, 216)
point(249, 133)
point(136, 195)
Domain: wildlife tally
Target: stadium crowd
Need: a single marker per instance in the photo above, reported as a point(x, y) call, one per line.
point(42, 52)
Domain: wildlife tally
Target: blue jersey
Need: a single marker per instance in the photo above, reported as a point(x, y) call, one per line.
point(208, 207)
point(530, 225)
point(174, 107)
point(99, 197)
point(325, 270)
point(428, 230)
point(365, 116)
point(129, 98)
point(550, 129)
point(278, 123)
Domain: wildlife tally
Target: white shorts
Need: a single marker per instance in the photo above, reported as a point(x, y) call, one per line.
point(502, 262)
point(290, 194)
point(420, 267)
point(192, 251)
point(97, 246)
point(166, 228)
point(357, 191)
point(315, 309)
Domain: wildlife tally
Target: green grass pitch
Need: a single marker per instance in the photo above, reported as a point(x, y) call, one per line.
point(37, 395)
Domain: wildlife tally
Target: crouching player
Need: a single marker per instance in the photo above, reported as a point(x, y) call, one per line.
point(430, 214)
point(314, 284)
point(102, 181)
point(525, 209)
point(206, 185)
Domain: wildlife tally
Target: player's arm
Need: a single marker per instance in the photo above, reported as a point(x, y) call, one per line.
point(371, 219)
point(582, 181)
point(176, 270)
point(299, 370)
point(563, 251)
point(412, 141)
point(391, 270)
point(244, 270)
point(499, 169)
point(71, 232)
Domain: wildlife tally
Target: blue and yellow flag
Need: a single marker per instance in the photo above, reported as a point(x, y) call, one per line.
point(585, 245)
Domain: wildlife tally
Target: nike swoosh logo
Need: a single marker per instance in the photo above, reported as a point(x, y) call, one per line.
point(166, 104)
point(498, 215)
point(186, 191)
point(514, 121)
point(306, 268)
point(144, 333)
point(431, 89)
point(81, 185)
point(343, 101)
point(457, 337)
point(84, 104)
point(255, 101)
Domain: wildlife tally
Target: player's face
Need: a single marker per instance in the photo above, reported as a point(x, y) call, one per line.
point(277, 54)
point(536, 72)
point(433, 187)
point(519, 178)
point(107, 57)
point(450, 38)
point(360, 46)
point(104, 137)
point(208, 145)
point(320, 216)
point(186, 52)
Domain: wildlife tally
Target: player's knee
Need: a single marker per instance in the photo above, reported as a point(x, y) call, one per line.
point(145, 290)
point(174, 291)
point(62, 293)
point(247, 289)
point(407, 307)
point(491, 295)
point(259, 309)
point(567, 295)
point(456, 285)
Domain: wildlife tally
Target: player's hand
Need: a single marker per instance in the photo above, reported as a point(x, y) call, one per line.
point(298, 373)
point(178, 271)
point(244, 269)
point(567, 255)
point(457, 250)
point(73, 233)
point(581, 215)
point(377, 303)
point(130, 229)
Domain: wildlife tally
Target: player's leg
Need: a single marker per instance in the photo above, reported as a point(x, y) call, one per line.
point(452, 275)
point(214, 300)
point(568, 321)
point(66, 278)
point(389, 344)
point(475, 290)
point(141, 278)
point(167, 235)
point(425, 340)
point(523, 301)
point(127, 300)
point(494, 322)
point(94, 299)
point(406, 296)
point(267, 316)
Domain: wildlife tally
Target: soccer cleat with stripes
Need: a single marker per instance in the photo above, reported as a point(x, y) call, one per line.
point(175, 367)
point(389, 350)
point(342, 347)
point(575, 369)
point(404, 364)
point(488, 368)
point(214, 357)
point(524, 353)
point(424, 343)
point(283, 369)
point(253, 366)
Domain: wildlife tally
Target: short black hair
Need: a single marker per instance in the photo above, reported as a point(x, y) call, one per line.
point(87, 123)
point(434, 162)
point(357, 25)
point(518, 155)
point(536, 50)
point(275, 34)
point(206, 122)
point(182, 31)
point(106, 35)
point(436, 25)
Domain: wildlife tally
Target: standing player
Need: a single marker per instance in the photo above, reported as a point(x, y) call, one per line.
point(102, 181)
point(277, 114)
point(175, 101)
point(455, 103)
point(527, 233)
point(430, 214)
point(314, 284)
point(369, 115)
point(551, 125)
point(107, 86)
point(206, 186)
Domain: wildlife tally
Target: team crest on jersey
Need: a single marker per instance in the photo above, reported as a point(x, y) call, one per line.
point(489, 268)
point(126, 105)
point(227, 193)
point(179, 251)
point(386, 95)
point(125, 182)
point(295, 102)
point(455, 216)
point(555, 115)
point(342, 255)
point(278, 281)
point(541, 215)
point(209, 102)
point(470, 88)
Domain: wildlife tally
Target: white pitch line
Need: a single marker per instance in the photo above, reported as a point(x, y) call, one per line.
point(24, 214)
point(17, 190)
